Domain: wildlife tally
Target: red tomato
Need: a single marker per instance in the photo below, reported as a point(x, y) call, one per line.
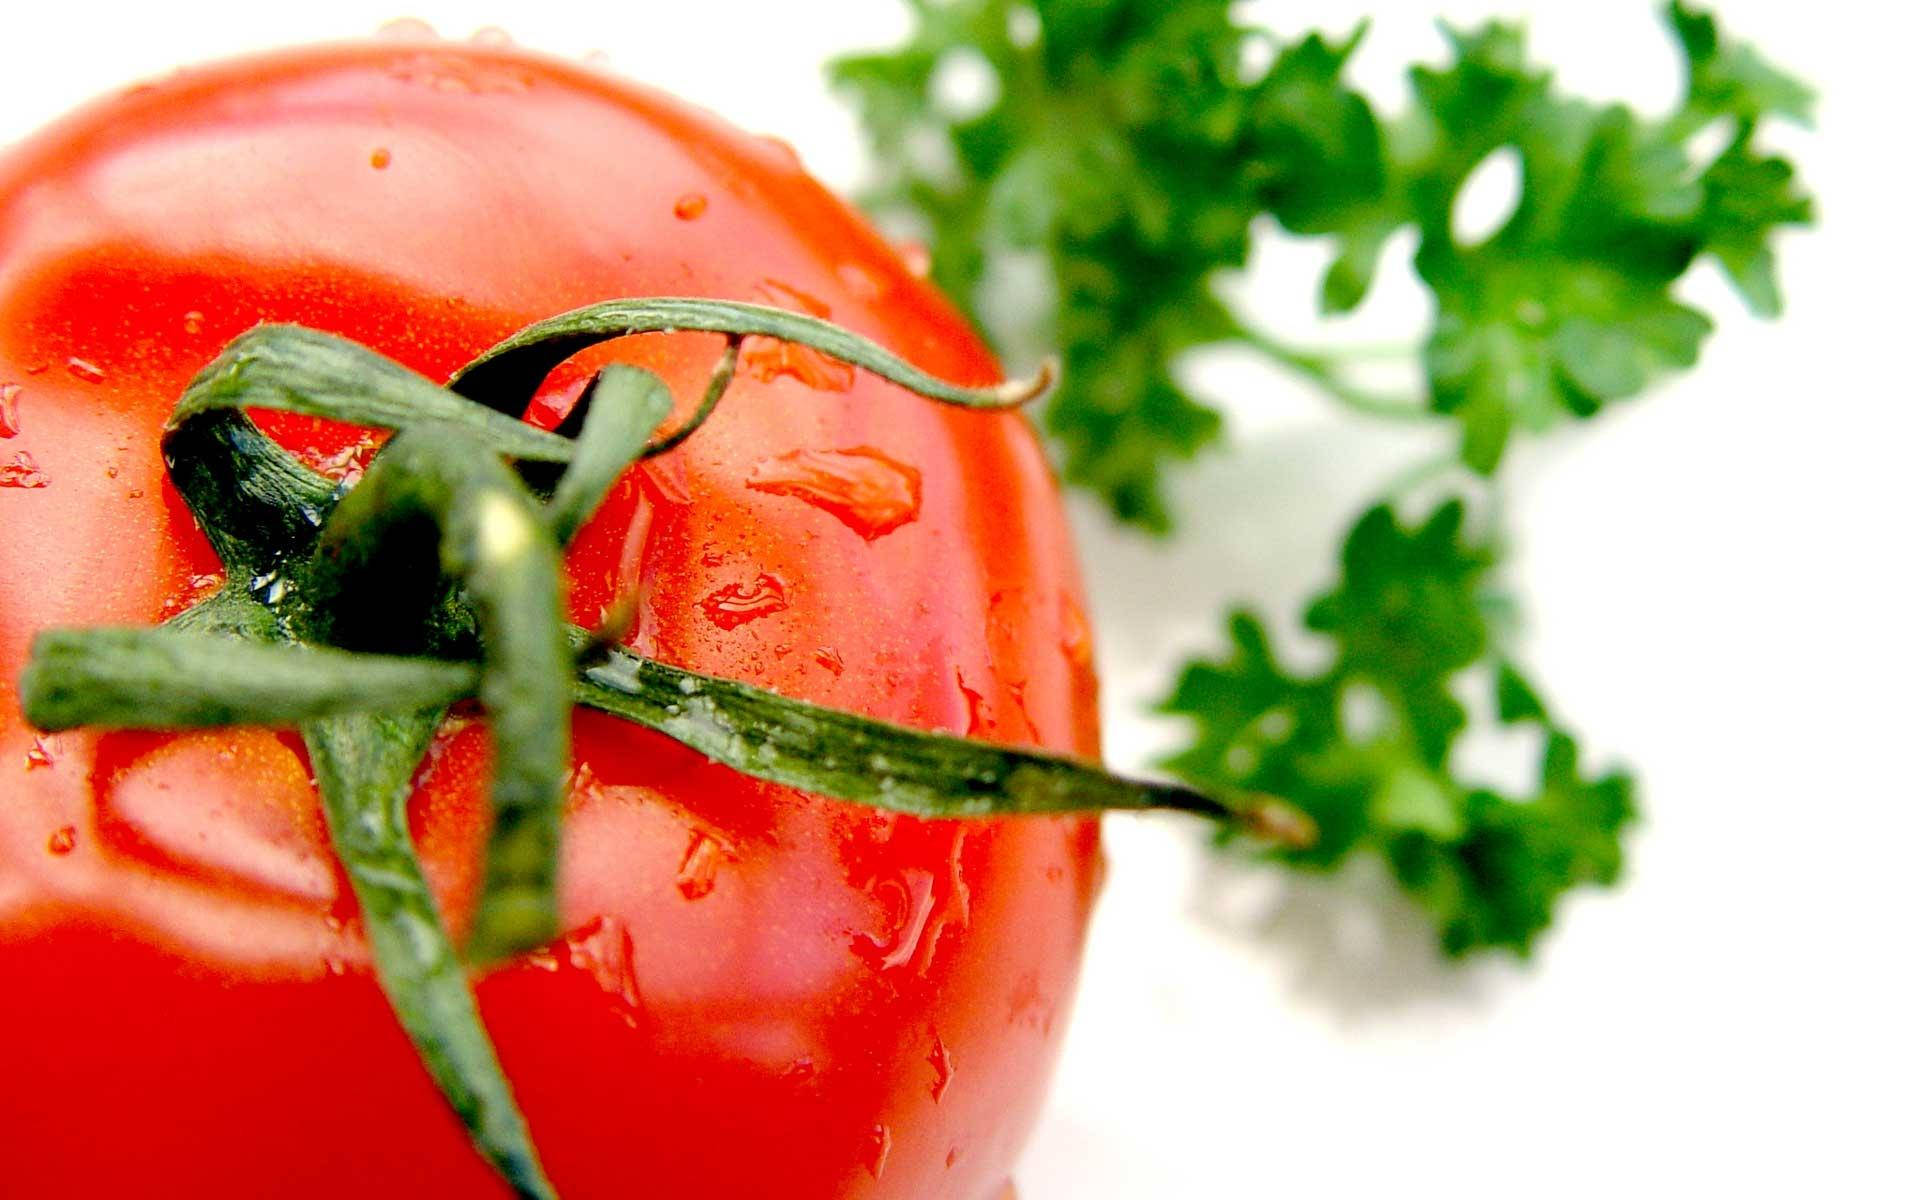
point(763, 993)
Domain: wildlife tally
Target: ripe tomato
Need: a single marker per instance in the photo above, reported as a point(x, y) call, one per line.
point(762, 993)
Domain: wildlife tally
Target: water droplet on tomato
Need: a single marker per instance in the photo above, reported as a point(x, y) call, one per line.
point(699, 867)
point(85, 371)
point(406, 29)
point(976, 705)
point(867, 491)
point(603, 948)
point(787, 296)
point(21, 471)
point(9, 410)
point(491, 35)
point(830, 658)
point(801, 1070)
point(381, 158)
point(599, 60)
point(690, 207)
point(37, 756)
point(61, 842)
point(736, 604)
point(879, 1145)
point(768, 359)
point(910, 902)
point(942, 1063)
point(1019, 693)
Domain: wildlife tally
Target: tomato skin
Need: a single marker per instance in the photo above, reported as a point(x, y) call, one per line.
point(761, 993)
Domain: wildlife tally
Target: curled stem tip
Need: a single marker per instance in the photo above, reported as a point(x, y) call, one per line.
point(1016, 392)
point(718, 382)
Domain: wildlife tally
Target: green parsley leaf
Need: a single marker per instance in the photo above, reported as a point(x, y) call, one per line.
point(1116, 153)
point(1731, 77)
point(1366, 746)
point(1746, 196)
point(1129, 148)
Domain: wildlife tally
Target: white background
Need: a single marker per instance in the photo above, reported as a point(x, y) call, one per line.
point(1718, 589)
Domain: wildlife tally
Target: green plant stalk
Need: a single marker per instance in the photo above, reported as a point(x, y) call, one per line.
point(363, 763)
point(494, 544)
point(165, 679)
point(517, 365)
point(623, 407)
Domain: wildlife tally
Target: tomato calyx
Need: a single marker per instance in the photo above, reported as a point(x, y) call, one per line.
point(360, 614)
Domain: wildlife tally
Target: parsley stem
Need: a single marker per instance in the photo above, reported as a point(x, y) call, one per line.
point(1363, 352)
point(1322, 368)
point(1424, 471)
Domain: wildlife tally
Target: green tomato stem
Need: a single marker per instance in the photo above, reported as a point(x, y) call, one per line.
point(364, 765)
point(356, 615)
point(623, 406)
point(498, 548)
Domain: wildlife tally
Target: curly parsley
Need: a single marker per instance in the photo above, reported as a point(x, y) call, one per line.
point(1365, 747)
point(1122, 159)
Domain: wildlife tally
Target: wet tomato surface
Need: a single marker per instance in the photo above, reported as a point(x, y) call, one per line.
point(760, 992)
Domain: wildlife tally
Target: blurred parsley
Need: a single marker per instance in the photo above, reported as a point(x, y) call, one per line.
point(1126, 150)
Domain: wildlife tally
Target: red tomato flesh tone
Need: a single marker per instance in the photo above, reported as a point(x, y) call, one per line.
point(762, 993)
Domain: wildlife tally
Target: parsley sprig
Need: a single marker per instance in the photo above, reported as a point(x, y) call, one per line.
point(1122, 158)
point(1366, 746)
